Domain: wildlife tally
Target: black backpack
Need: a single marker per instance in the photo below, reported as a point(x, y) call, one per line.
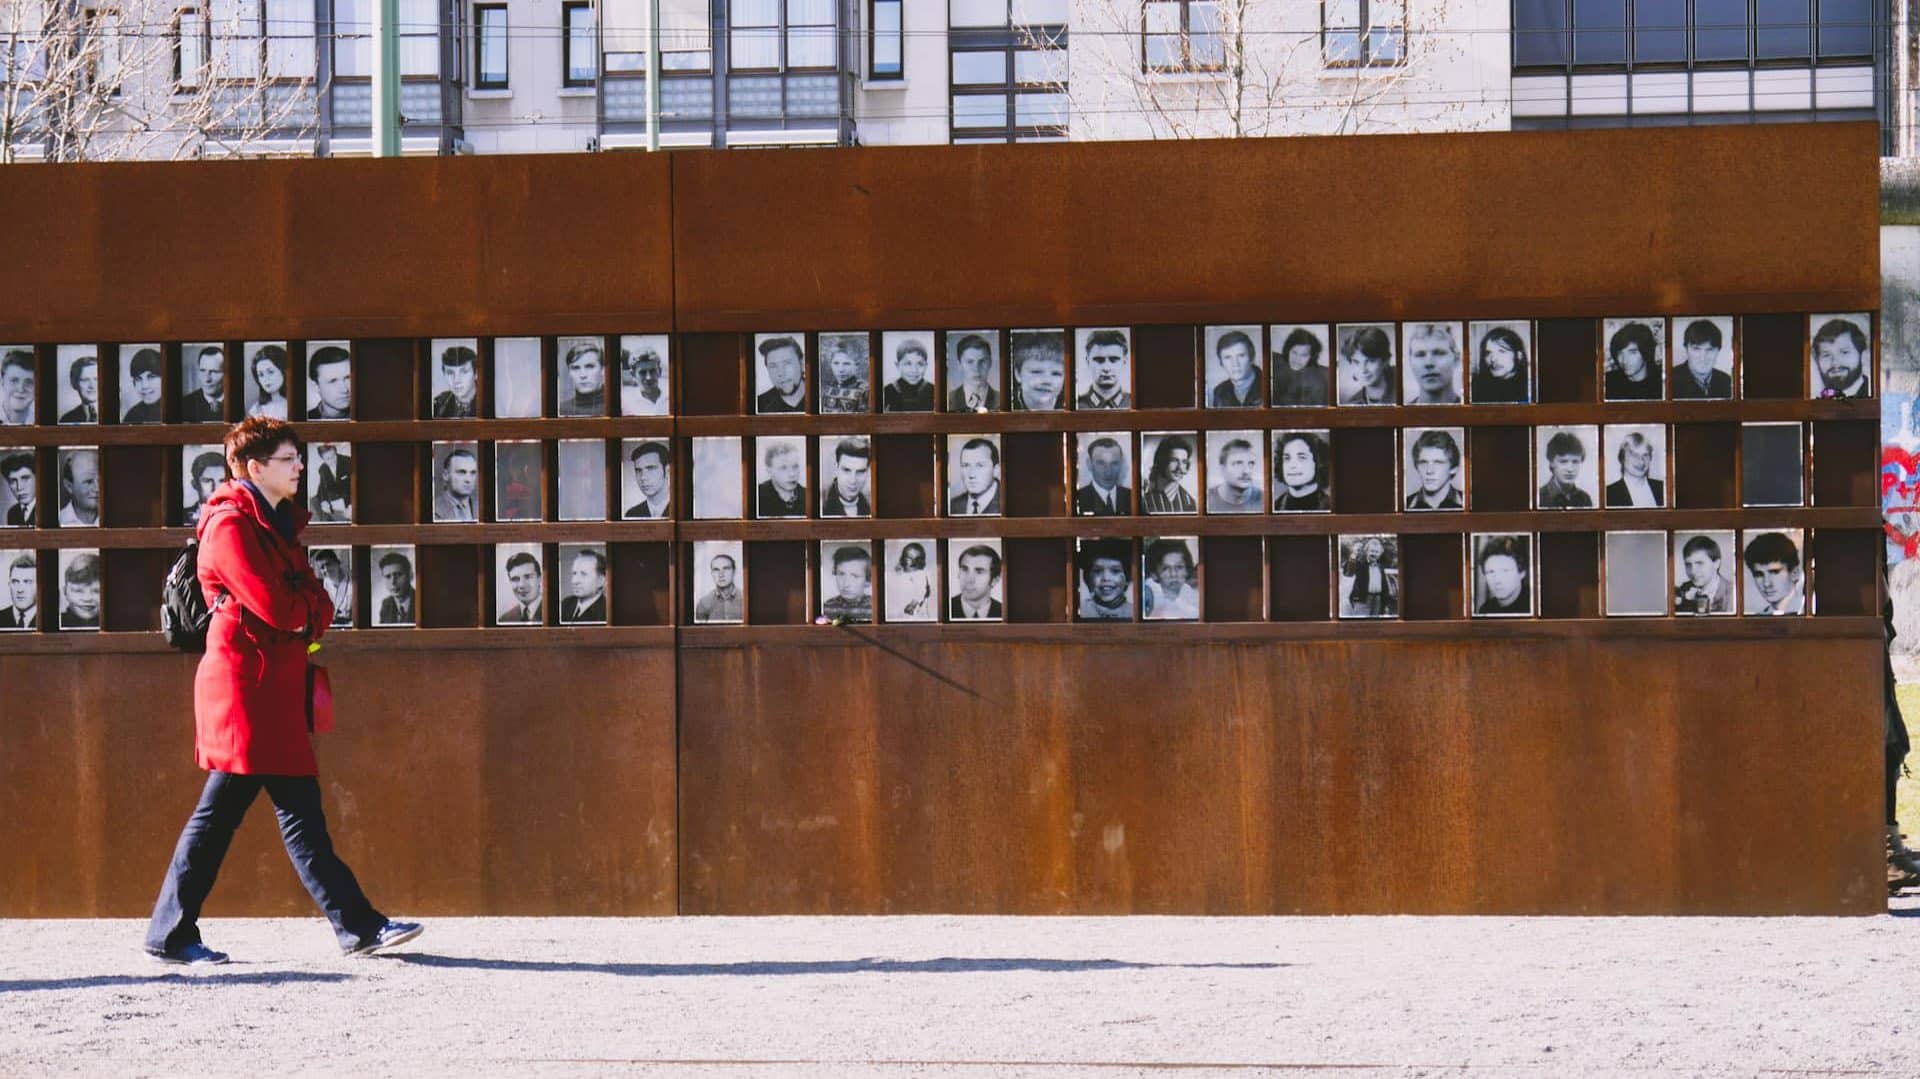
point(184, 615)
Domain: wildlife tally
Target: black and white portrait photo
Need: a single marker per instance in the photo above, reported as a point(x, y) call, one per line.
point(264, 380)
point(780, 373)
point(643, 375)
point(1434, 468)
point(519, 481)
point(18, 378)
point(780, 477)
point(395, 600)
point(334, 567)
point(1703, 368)
point(519, 585)
point(1303, 471)
point(1502, 575)
point(1636, 465)
point(1369, 579)
point(1772, 464)
point(1502, 359)
point(1636, 574)
point(329, 482)
point(516, 378)
point(79, 486)
point(580, 376)
point(1774, 571)
point(1103, 580)
point(141, 384)
point(1840, 356)
point(1636, 358)
point(1704, 564)
point(19, 487)
point(1301, 371)
point(975, 590)
point(846, 467)
point(646, 482)
point(1103, 371)
point(583, 479)
point(845, 374)
point(973, 370)
point(78, 391)
point(719, 583)
point(1566, 461)
point(1234, 378)
point(80, 587)
point(1433, 368)
point(1236, 472)
point(1038, 359)
point(1103, 474)
point(203, 383)
point(907, 371)
point(203, 468)
point(846, 579)
point(1170, 579)
point(718, 478)
point(1170, 461)
point(22, 600)
point(585, 566)
point(973, 476)
point(1367, 373)
point(455, 366)
point(329, 380)
point(456, 482)
point(912, 580)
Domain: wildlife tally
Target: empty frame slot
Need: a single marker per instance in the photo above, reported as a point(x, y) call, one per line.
point(1164, 369)
point(640, 584)
point(1299, 576)
point(391, 501)
point(1497, 459)
point(384, 383)
point(1703, 465)
point(133, 488)
point(1845, 564)
point(1568, 352)
point(715, 389)
point(1033, 474)
point(1035, 582)
point(1569, 579)
point(903, 475)
point(1432, 576)
point(132, 578)
point(1363, 470)
point(1232, 568)
point(1772, 356)
point(1772, 471)
point(777, 582)
point(448, 585)
point(1845, 455)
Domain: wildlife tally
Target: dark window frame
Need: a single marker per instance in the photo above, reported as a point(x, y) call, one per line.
point(480, 80)
point(568, 10)
point(1363, 34)
point(1185, 65)
point(874, 72)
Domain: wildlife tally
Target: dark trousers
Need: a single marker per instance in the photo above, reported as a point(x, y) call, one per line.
point(303, 827)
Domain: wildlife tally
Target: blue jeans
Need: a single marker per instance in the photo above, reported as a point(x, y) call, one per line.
point(303, 828)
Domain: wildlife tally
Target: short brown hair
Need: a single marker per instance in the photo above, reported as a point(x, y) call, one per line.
point(257, 437)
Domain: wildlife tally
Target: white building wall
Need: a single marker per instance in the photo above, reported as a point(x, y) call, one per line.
point(536, 113)
point(913, 110)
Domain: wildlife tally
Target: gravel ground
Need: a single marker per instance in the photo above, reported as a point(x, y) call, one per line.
point(1060, 997)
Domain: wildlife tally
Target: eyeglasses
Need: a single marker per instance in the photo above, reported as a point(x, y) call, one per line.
point(284, 459)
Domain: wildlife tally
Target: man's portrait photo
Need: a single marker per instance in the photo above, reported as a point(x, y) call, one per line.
point(1234, 377)
point(780, 477)
point(79, 487)
point(1171, 460)
point(79, 589)
point(1103, 575)
point(455, 385)
point(845, 374)
point(583, 479)
point(1502, 575)
point(519, 481)
point(1434, 471)
point(1772, 464)
point(203, 381)
point(846, 576)
point(1103, 474)
point(1366, 368)
point(329, 482)
point(643, 375)
point(22, 600)
point(1636, 359)
point(846, 465)
point(1433, 369)
point(1103, 372)
point(519, 585)
point(19, 487)
point(585, 603)
point(973, 370)
point(1236, 471)
point(718, 478)
point(141, 384)
point(18, 378)
point(1502, 359)
point(1303, 471)
point(581, 376)
point(1039, 362)
point(516, 378)
point(975, 590)
point(1170, 580)
point(1369, 582)
point(1636, 464)
point(329, 380)
point(780, 378)
point(456, 482)
point(264, 387)
point(1840, 359)
point(79, 388)
point(395, 592)
point(1635, 569)
point(646, 485)
point(912, 580)
point(1704, 573)
point(334, 567)
point(1776, 583)
point(719, 583)
point(1299, 366)
point(1703, 369)
point(203, 469)
point(1566, 461)
point(973, 476)
point(906, 371)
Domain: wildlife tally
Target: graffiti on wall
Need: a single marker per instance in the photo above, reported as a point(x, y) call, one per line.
point(1900, 428)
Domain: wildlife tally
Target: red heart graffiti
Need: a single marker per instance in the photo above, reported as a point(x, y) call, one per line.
point(1900, 497)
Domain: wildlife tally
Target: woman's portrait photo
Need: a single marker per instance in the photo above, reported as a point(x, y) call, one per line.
point(907, 372)
point(1170, 580)
point(454, 368)
point(1367, 372)
point(1636, 464)
point(516, 378)
point(583, 479)
point(1171, 483)
point(845, 376)
point(643, 375)
point(141, 382)
point(1502, 357)
point(719, 478)
point(1302, 471)
point(1636, 359)
point(1635, 569)
point(77, 396)
point(912, 583)
point(519, 481)
point(1234, 377)
point(1103, 569)
point(1502, 575)
point(265, 387)
point(1369, 581)
point(1566, 461)
point(1299, 364)
point(18, 377)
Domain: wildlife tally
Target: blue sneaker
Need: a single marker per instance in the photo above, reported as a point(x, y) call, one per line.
point(191, 955)
point(391, 935)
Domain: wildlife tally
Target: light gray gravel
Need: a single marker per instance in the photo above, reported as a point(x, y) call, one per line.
point(1059, 997)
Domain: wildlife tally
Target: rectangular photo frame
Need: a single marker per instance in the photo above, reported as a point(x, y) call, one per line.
point(1367, 585)
point(1103, 474)
point(1170, 579)
point(1303, 470)
point(1299, 365)
point(81, 586)
point(334, 566)
point(780, 477)
point(580, 377)
point(77, 394)
point(516, 378)
point(1504, 567)
point(1502, 364)
point(719, 583)
point(846, 375)
point(1433, 469)
point(1433, 370)
point(1171, 484)
point(646, 479)
point(1103, 580)
point(645, 375)
point(973, 369)
point(911, 583)
point(395, 602)
point(973, 476)
point(19, 385)
point(21, 613)
point(329, 482)
point(1637, 466)
point(1366, 372)
point(519, 585)
point(1703, 364)
point(80, 486)
point(779, 373)
point(1233, 375)
point(1566, 461)
point(1236, 472)
point(907, 371)
point(1840, 356)
point(264, 382)
point(582, 464)
point(143, 384)
point(329, 371)
point(1775, 560)
point(203, 468)
point(453, 385)
point(1635, 360)
point(1704, 567)
point(1103, 369)
point(1634, 567)
point(846, 476)
point(1037, 362)
point(19, 487)
point(846, 581)
point(519, 480)
point(976, 584)
point(585, 567)
point(718, 478)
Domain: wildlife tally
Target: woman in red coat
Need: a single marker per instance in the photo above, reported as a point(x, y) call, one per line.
point(250, 702)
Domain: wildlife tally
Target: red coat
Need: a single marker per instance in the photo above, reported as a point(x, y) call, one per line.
point(250, 694)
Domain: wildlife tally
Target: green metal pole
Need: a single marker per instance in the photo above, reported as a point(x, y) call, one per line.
point(386, 78)
point(653, 74)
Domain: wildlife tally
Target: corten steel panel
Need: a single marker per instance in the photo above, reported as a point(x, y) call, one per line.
point(1532, 775)
point(530, 781)
point(1770, 216)
point(338, 248)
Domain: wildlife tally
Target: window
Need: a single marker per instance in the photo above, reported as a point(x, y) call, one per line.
point(1363, 33)
point(291, 49)
point(1720, 31)
point(104, 49)
point(1659, 31)
point(964, 13)
point(884, 40)
point(1782, 30)
point(1599, 31)
point(1182, 35)
point(762, 29)
point(189, 49)
point(1008, 70)
point(1540, 33)
point(578, 45)
point(419, 39)
point(1846, 29)
point(237, 39)
point(686, 36)
point(490, 46)
point(811, 40)
point(418, 30)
